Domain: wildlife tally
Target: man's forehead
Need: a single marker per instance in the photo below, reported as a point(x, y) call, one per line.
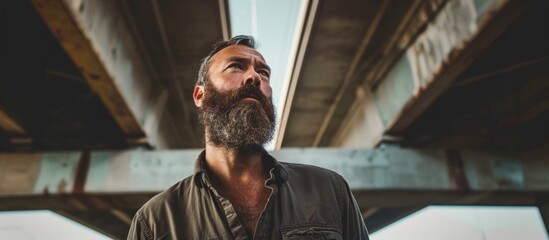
point(239, 51)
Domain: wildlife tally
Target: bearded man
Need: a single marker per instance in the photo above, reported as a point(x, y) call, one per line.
point(238, 190)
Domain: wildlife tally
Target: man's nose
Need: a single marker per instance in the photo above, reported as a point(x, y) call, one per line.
point(252, 78)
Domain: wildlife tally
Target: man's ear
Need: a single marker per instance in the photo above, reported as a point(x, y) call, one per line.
point(198, 95)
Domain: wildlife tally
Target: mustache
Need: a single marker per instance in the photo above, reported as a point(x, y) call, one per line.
point(250, 91)
point(224, 101)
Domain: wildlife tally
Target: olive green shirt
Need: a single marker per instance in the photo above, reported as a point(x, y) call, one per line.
point(306, 202)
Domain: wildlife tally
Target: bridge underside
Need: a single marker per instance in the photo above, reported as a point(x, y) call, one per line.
point(415, 103)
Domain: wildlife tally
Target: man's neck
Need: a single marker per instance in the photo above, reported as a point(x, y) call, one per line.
point(239, 176)
point(234, 166)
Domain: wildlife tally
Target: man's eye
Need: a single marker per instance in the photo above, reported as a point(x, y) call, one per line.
point(264, 73)
point(236, 65)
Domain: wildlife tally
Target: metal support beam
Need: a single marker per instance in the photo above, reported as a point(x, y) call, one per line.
point(383, 177)
point(98, 39)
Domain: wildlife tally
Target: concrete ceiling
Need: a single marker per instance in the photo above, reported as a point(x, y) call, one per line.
point(474, 103)
point(59, 107)
point(350, 43)
point(501, 101)
point(348, 40)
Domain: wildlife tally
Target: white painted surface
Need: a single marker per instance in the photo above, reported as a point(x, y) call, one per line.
point(42, 225)
point(467, 223)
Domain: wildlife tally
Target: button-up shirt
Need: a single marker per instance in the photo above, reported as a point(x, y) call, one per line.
point(306, 202)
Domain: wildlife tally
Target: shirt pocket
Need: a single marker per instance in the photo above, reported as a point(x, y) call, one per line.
point(311, 232)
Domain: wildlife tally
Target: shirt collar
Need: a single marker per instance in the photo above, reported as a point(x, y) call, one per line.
point(277, 171)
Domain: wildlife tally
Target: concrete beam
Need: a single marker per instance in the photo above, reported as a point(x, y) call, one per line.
point(362, 128)
point(286, 105)
point(383, 177)
point(459, 34)
point(17, 134)
point(351, 72)
point(401, 89)
point(345, 105)
point(98, 39)
point(334, 31)
point(106, 222)
point(10, 125)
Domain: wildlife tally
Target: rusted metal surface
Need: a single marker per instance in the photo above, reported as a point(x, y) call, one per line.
point(450, 30)
point(456, 171)
point(82, 172)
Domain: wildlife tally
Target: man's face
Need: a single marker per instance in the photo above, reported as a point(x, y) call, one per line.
point(238, 65)
point(235, 104)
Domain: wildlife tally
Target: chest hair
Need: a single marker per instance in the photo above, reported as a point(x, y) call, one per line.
point(248, 202)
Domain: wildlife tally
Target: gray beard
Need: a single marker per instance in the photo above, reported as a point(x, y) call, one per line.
point(235, 124)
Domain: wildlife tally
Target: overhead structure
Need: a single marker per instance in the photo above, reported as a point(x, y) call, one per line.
point(14, 129)
point(422, 102)
point(346, 39)
point(360, 92)
point(117, 183)
point(106, 55)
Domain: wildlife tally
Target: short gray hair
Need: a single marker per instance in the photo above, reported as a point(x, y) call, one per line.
point(245, 40)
